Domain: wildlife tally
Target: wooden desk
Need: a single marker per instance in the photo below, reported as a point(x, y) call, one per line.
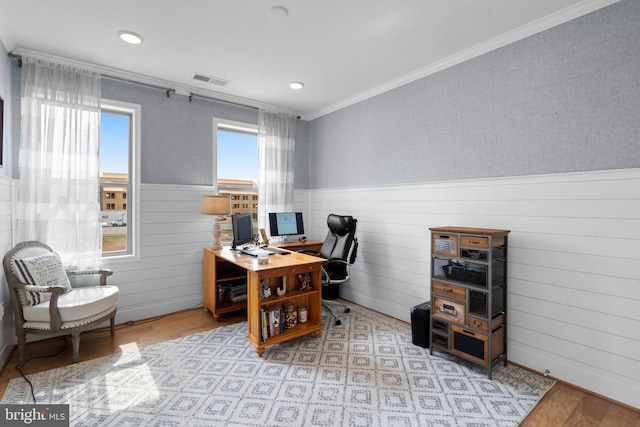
point(225, 268)
point(311, 245)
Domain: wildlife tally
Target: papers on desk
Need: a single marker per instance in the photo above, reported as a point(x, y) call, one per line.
point(266, 250)
point(255, 252)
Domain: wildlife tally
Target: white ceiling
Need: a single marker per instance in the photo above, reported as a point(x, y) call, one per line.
point(343, 50)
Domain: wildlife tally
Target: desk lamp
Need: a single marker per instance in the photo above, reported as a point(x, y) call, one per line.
point(217, 206)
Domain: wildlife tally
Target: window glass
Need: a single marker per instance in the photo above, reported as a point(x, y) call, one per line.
point(237, 170)
point(115, 180)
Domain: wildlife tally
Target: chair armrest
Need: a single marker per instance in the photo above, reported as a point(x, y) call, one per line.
point(325, 274)
point(336, 261)
point(55, 321)
point(308, 251)
point(53, 289)
point(104, 273)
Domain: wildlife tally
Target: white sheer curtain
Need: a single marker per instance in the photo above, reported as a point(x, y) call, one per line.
point(58, 200)
point(276, 144)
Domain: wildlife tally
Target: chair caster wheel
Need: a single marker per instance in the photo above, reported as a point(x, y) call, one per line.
point(338, 322)
point(347, 310)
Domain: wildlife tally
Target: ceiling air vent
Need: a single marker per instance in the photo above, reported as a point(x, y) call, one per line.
point(208, 79)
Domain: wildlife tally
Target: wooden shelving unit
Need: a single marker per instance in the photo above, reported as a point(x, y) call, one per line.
point(469, 294)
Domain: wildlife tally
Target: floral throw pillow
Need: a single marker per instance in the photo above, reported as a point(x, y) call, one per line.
point(42, 270)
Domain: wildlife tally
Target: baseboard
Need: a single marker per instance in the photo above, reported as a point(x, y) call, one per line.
point(575, 387)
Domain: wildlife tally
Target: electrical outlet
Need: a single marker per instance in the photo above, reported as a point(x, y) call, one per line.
point(546, 372)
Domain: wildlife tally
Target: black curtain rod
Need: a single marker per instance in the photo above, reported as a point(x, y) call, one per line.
point(191, 95)
point(122, 79)
point(169, 91)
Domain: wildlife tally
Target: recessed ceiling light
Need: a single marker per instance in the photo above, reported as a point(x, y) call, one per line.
point(278, 12)
point(130, 37)
point(296, 85)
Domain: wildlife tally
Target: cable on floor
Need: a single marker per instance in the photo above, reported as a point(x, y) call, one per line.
point(106, 328)
point(33, 396)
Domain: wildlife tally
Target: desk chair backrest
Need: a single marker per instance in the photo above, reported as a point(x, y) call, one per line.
point(340, 244)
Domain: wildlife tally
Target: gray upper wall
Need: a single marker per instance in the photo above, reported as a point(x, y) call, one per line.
point(177, 134)
point(567, 99)
point(564, 100)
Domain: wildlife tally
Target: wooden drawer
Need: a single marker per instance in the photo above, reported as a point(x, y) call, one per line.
point(480, 324)
point(483, 324)
point(451, 290)
point(480, 242)
point(475, 346)
point(454, 311)
point(474, 241)
point(444, 244)
point(285, 271)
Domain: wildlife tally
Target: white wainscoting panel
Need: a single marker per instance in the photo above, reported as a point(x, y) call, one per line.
point(574, 263)
point(168, 275)
point(7, 334)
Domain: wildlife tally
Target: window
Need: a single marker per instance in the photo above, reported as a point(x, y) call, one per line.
point(119, 165)
point(236, 160)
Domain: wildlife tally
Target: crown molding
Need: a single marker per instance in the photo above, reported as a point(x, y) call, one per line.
point(542, 24)
point(560, 17)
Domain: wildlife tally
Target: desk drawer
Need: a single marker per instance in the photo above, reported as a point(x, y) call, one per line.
point(287, 271)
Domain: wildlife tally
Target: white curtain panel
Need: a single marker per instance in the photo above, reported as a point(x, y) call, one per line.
point(276, 144)
point(58, 201)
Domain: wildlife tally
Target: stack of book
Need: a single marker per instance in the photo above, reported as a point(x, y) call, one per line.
point(238, 292)
point(271, 320)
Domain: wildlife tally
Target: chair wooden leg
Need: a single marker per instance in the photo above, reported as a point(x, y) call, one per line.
point(75, 341)
point(22, 342)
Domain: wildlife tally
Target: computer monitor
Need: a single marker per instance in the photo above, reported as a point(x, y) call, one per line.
point(242, 225)
point(286, 223)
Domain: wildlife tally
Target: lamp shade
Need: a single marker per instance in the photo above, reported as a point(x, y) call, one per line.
point(216, 205)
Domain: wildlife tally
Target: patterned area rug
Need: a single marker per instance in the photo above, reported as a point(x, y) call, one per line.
point(365, 372)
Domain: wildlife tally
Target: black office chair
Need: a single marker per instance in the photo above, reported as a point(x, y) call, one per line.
point(340, 248)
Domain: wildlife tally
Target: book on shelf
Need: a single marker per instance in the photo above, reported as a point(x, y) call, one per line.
point(271, 318)
point(238, 292)
point(264, 324)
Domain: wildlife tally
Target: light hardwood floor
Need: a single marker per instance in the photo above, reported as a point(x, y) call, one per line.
point(563, 405)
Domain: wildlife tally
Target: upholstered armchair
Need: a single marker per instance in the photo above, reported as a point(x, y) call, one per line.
point(49, 301)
